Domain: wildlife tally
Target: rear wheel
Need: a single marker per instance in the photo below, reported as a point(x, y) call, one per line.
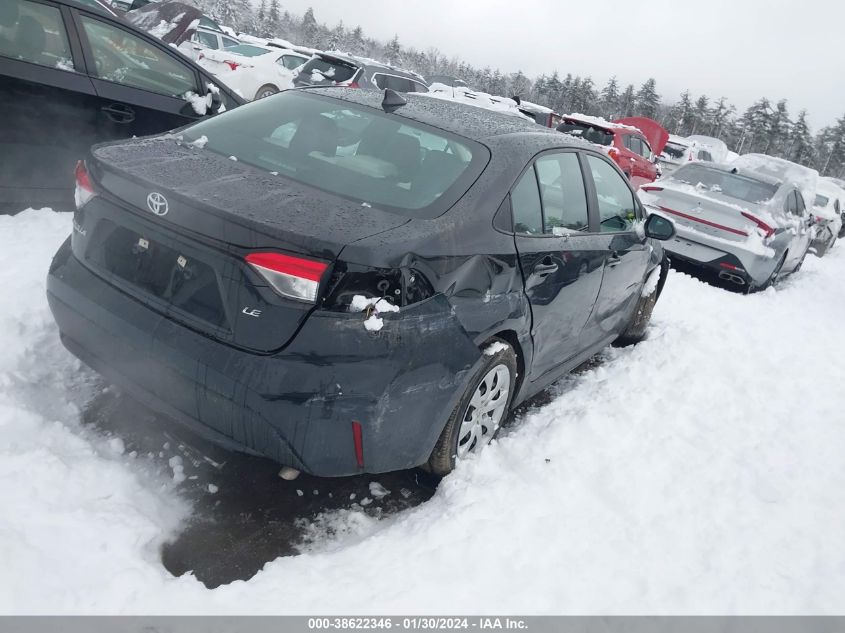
point(635, 332)
point(481, 410)
point(266, 91)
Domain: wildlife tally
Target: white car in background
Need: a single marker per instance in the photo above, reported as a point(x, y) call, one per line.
point(677, 152)
point(748, 225)
point(205, 40)
point(827, 209)
point(716, 148)
point(254, 72)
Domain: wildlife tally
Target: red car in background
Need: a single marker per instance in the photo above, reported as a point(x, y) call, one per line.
point(633, 143)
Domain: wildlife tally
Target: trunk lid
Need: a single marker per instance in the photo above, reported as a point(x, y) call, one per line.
point(189, 262)
point(712, 214)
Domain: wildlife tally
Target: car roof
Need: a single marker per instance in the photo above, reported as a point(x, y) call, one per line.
point(458, 118)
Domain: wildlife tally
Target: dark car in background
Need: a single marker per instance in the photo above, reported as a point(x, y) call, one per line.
point(71, 76)
point(337, 69)
point(345, 281)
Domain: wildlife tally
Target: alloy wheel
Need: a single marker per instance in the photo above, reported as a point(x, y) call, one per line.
point(485, 411)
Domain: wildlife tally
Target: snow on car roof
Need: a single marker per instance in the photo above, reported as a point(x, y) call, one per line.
point(680, 140)
point(462, 94)
point(534, 107)
point(452, 116)
point(597, 121)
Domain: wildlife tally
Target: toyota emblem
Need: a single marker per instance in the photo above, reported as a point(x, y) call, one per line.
point(157, 203)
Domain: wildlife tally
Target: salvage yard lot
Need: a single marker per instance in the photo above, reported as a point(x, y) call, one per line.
point(700, 471)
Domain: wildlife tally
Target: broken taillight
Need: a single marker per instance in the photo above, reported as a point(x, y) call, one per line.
point(292, 277)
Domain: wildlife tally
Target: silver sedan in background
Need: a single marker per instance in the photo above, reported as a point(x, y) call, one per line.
point(747, 226)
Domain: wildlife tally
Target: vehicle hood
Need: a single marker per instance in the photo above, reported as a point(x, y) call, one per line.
point(171, 22)
point(655, 134)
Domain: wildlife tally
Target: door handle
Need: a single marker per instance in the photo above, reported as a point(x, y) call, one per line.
point(119, 113)
point(545, 269)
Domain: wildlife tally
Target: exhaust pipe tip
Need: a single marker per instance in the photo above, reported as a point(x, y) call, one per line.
point(736, 279)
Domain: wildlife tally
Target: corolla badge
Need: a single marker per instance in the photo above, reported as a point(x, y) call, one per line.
point(157, 203)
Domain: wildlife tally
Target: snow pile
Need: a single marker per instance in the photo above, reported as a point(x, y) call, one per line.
point(200, 103)
point(375, 306)
point(698, 472)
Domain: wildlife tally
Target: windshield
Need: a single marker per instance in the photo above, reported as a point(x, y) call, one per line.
point(587, 132)
point(674, 151)
point(246, 50)
point(353, 151)
point(725, 183)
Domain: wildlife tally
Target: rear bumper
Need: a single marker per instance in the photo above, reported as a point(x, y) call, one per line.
point(721, 256)
point(296, 406)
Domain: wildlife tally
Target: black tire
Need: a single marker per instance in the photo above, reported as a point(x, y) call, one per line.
point(637, 326)
point(444, 456)
point(266, 90)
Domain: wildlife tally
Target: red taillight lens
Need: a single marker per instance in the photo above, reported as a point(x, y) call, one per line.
point(84, 189)
point(354, 84)
point(768, 231)
point(200, 56)
point(613, 153)
point(231, 64)
point(651, 188)
point(292, 277)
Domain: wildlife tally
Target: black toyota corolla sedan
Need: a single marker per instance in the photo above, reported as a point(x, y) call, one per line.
point(350, 281)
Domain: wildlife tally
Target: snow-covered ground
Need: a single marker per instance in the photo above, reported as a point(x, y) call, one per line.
point(701, 471)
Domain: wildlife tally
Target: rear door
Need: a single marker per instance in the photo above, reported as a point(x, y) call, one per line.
point(798, 212)
point(47, 104)
point(628, 156)
point(143, 86)
point(626, 253)
point(561, 262)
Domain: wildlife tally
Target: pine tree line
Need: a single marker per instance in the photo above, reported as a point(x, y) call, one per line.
point(765, 127)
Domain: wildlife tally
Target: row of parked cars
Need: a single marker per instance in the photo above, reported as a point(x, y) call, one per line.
point(360, 276)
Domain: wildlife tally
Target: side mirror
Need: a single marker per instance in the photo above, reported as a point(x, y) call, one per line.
point(659, 228)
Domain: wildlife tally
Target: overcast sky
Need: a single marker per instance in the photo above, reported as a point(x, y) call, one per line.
point(742, 49)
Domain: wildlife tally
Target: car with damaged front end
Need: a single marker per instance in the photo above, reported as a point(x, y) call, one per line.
point(351, 281)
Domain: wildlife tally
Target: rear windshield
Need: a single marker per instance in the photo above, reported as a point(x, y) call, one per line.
point(821, 201)
point(725, 183)
point(586, 132)
point(246, 50)
point(673, 151)
point(354, 151)
point(319, 70)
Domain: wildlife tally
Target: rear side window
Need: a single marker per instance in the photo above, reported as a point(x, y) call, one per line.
point(34, 33)
point(228, 42)
point(126, 59)
point(291, 61)
point(617, 209)
point(206, 39)
point(562, 193)
point(705, 156)
point(525, 205)
point(353, 151)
